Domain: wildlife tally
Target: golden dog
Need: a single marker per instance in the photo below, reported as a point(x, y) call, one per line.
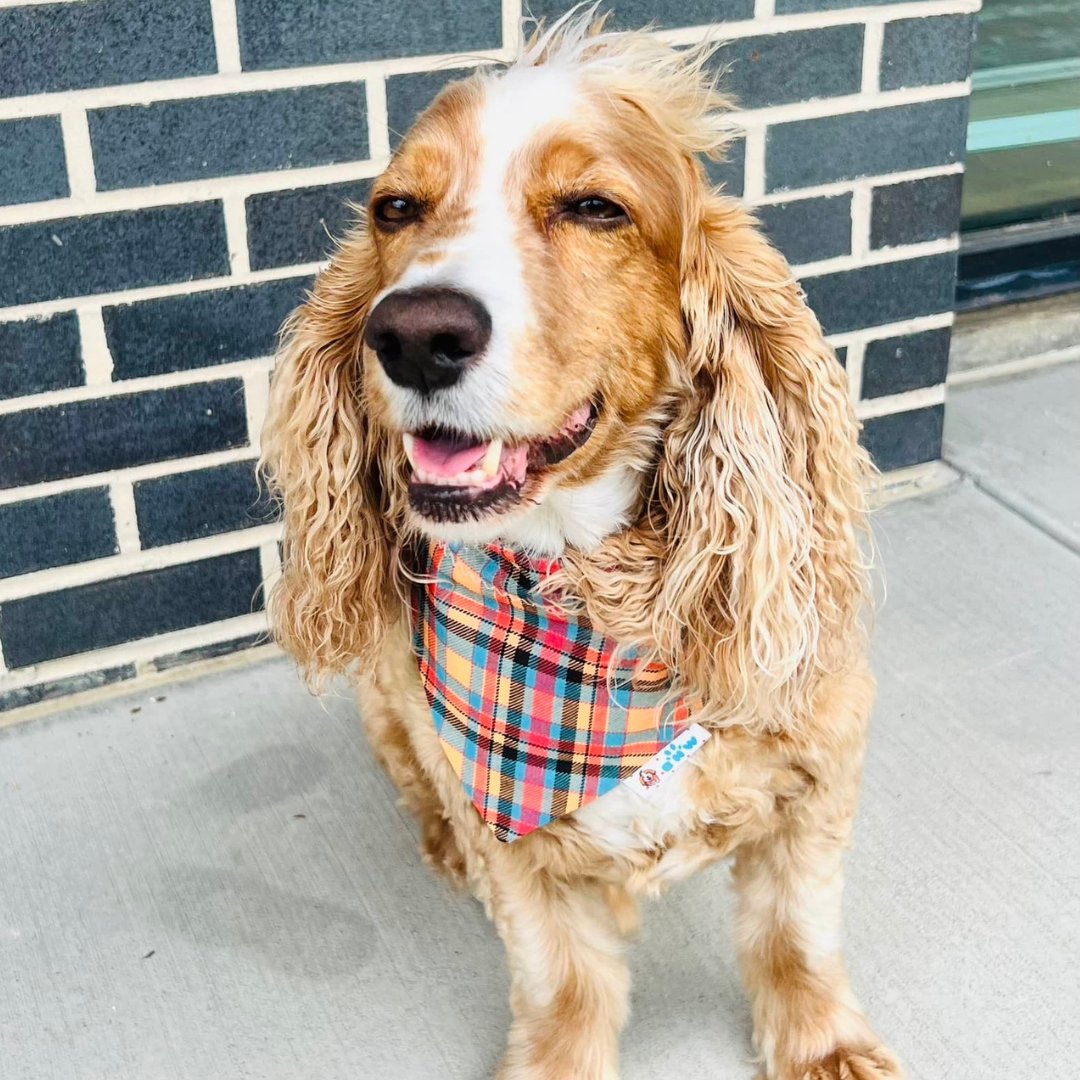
point(546, 291)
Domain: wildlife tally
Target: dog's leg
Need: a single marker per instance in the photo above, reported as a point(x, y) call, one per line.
point(569, 979)
point(389, 738)
point(807, 1025)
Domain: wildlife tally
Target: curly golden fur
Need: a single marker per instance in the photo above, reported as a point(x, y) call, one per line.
point(739, 564)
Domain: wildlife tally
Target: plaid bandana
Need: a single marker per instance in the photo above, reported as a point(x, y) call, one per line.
point(536, 714)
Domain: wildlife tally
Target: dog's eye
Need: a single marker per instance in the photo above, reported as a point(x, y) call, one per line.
point(596, 210)
point(393, 211)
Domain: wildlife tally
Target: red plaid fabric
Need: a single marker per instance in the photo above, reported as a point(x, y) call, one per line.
point(534, 710)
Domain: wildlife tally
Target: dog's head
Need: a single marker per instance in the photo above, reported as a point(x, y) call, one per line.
point(550, 332)
point(528, 238)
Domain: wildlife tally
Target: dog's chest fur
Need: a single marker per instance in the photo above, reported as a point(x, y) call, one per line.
point(729, 793)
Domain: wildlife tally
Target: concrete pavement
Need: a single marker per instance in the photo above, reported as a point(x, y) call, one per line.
point(212, 880)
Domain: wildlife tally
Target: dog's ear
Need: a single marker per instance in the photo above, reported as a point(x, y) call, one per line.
point(759, 493)
point(326, 461)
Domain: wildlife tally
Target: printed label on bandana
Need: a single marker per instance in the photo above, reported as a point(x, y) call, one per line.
point(653, 773)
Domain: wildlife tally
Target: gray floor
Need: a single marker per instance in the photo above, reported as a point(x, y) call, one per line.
point(214, 882)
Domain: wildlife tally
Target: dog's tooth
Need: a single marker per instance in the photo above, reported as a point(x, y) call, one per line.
point(489, 464)
point(408, 442)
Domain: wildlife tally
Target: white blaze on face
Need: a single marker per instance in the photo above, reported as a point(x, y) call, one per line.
point(485, 259)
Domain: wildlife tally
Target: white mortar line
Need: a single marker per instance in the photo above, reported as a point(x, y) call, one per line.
point(156, 292)
point(512, 14)
point(861, 205)
point(841, 187)
point(188, 191)
point(260, 366)
point(754, 165)
point(3, 666)
point(226, 36)
point(873, 39)
point(270, 566)
point(764, 9)
point(256, 402)
point(236, 236)
point(896, 329)
point(871, 408)
point(122, 498)
point(135, 562)
point(853, 364)
point(75, 130)
point(824, 108)
point(134, 472)
point(97, 360)
point(877, 258)
point(133, 652)
point(377, 120)
point(197, 86)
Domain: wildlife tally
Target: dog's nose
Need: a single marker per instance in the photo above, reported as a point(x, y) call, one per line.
point(426, 338)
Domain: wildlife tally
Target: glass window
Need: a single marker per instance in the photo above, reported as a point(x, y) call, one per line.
point(1023, 160)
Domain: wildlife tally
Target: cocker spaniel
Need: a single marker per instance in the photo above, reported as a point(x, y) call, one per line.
point(572, 486)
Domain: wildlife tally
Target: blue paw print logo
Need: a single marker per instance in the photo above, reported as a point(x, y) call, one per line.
point(674, 752)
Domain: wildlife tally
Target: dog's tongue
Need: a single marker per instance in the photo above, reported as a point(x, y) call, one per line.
point(447, 457)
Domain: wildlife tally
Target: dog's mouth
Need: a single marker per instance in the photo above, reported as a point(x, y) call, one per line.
point(457, 477)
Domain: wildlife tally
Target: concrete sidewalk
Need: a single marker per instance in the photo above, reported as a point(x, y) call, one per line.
point(213, 881)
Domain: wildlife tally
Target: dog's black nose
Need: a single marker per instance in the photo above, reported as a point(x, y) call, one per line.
point(425, 338)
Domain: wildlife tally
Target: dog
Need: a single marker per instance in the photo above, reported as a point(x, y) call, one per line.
point(558, 442)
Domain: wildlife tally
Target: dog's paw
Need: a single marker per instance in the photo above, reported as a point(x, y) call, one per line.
point(847, 1064)
point(440, 850)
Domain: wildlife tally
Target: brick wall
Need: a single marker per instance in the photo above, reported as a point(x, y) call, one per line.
point(170, 171)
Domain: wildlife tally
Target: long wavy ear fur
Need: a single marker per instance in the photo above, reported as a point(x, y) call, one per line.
point(326, 461)
point(745, 573)
point(762, 480)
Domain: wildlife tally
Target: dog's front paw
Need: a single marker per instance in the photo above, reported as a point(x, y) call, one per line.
point(440, 849)
point(847, 1064)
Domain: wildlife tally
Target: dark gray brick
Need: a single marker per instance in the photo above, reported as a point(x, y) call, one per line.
point(221, 136)
point(732, 171)
point(284, 33)
point(85, 437)
point(784, 7)
point(807, 230)
point(916, 210)
point(208, 652)
point(72, 621)
point(841, 355)
point(216, 326)
point(907, 438)
point(289, 227)
point(634, 14)
point(920, 52)
point(407, 96)
point(833, 148)
point(897, 364)
point(32, 166)
point(40, 354)
point(106, 252)
point(187, 506)
point(50, 47)
point(888, 292)
point(56, 531)
point(797, 66)
point(58, 688)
